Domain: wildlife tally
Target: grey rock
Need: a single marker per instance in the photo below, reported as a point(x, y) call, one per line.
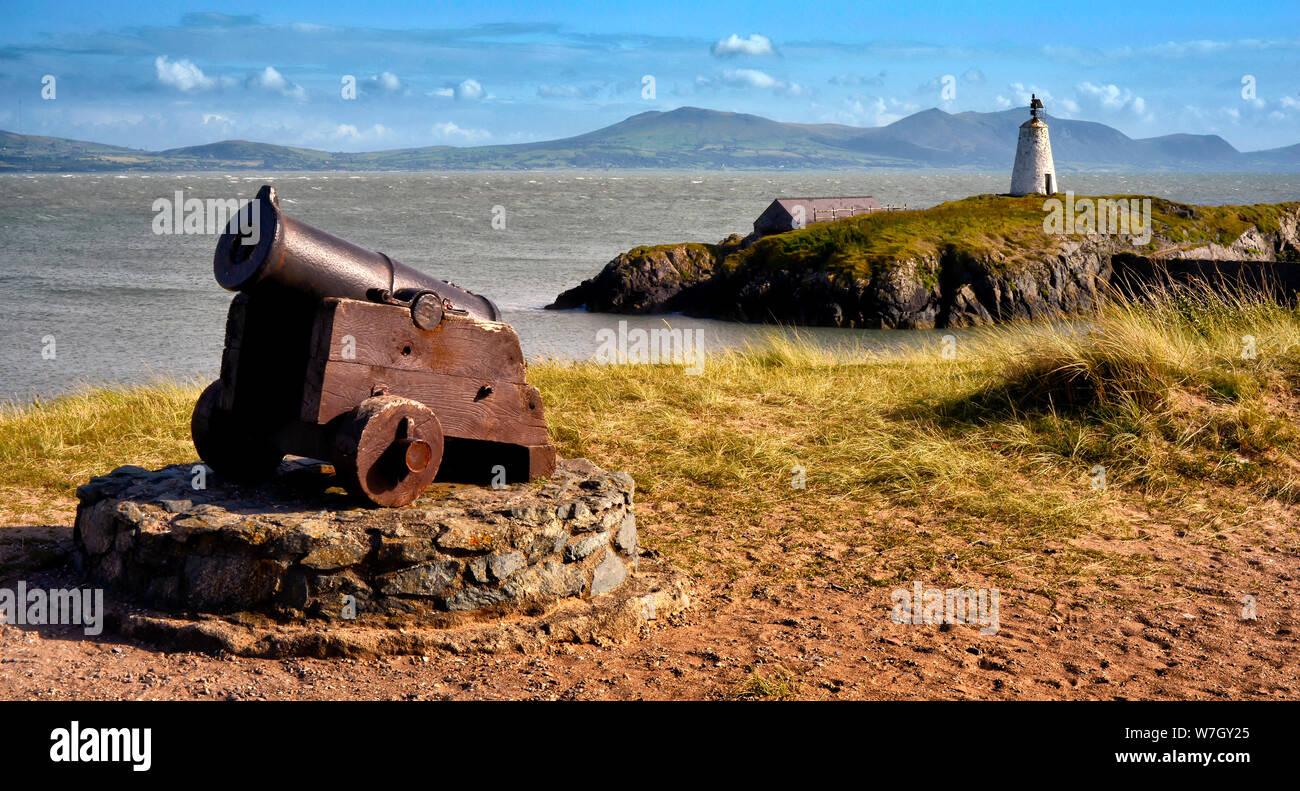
point(625, 539)
point(471, 534)
point(550, 541)
point(128, 512)
point(428, 579)
point(611, 519)
point(585, 546)
point(109, 568)
point(283, 550)
point(531, 514)
point(625, 484)
point(478, 571)
point(194, 523)
point(644, 280)
point(547, 580)
point(223, 583)
point(477, 598)
point(608, 575)
point(343, 551)
point(164, 590)
point(495, 568)
point(97, 527)
point(125, 540)
point(301, 538)
point(503, 565)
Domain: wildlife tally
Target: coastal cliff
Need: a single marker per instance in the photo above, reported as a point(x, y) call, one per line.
point(981, 260)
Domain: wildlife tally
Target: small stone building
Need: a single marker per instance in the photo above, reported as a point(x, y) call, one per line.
point(788, 214)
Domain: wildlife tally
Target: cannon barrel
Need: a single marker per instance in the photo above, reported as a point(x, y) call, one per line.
point(291, 254)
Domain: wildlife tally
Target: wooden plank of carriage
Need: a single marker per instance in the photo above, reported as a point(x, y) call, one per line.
point(492, 410)
point(384, 335)
point(469, 371)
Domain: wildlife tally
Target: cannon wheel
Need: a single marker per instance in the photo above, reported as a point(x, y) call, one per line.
point(388, 449)
point(229, 448)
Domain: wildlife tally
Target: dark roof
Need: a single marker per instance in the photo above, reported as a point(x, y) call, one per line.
point(829, 204)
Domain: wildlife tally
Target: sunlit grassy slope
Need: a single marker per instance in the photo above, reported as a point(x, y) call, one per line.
point(983, 225)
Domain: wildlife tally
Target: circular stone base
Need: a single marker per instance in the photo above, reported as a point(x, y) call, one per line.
point(295, 566)
point(653, 595)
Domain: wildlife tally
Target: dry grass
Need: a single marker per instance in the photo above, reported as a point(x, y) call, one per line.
point(768, 683)
point(909, 461)
point(49, 448)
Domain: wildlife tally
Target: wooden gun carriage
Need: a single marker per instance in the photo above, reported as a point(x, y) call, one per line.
point(340, 354)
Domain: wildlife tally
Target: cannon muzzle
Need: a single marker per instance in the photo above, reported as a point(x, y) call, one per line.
point(262, 247)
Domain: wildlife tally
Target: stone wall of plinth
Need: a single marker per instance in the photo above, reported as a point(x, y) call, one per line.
point(1033, 160)
point(300, 549)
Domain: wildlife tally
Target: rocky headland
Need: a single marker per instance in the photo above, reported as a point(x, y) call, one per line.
point(976, 261)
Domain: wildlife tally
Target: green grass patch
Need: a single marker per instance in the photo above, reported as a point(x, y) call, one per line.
point(991, 227)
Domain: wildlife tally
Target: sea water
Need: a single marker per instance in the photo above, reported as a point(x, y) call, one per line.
point(90, 294)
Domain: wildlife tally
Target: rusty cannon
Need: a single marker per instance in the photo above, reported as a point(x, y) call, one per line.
point(337, 353)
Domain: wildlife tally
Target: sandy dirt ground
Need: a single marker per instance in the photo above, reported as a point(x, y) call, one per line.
point(1176, 633)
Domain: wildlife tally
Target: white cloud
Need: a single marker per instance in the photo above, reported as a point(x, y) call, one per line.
point(1290, 103)
point(450, 131)
point(182, 75)
point(469, 90)
point(273, 81)
point(351, 133)
point(445, 92)
point(388, 82)
point(972, 76)
point(735, 45)
point(1113, 98)
point(1068, 105)
point(870, 111)
point(217, 118)
point(1108, 95)
point(753, 78)
point(1002, 101)
point(1023, 94)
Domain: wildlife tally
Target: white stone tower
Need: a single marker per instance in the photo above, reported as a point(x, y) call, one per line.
point(1034, 171)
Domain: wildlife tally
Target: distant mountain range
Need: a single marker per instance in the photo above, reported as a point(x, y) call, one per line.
point(694, 138)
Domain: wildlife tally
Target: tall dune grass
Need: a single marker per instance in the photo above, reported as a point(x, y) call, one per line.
point(906, 458)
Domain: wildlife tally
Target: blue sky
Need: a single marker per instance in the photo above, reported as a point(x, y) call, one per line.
point(159, 75)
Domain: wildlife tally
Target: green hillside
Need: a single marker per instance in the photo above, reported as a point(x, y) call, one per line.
point(694, 138)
